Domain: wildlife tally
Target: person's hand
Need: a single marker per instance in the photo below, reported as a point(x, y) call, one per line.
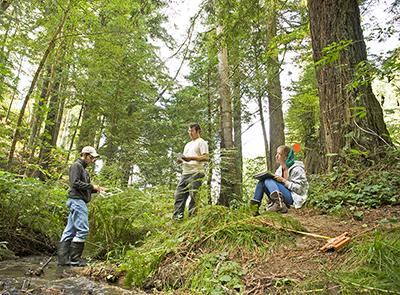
point(179, 158)
point(279, 178)
point(186, 158)
point(99, 188)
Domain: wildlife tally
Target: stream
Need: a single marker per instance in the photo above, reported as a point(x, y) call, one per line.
point(17, 276)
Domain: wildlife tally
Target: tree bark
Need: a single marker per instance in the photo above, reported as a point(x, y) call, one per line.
point(227, 147)
point(237, 127)
point(14, 93)
point(259, 97)
point(333, 21)
point(210, 132)
point(225, 96)
point(87, 130)
point(33, 84)
point(274, 91)
point(61, 101)
point(4, 4)
point(59, 119)
point(38, 115)
point(78, 121)
point(49, 135)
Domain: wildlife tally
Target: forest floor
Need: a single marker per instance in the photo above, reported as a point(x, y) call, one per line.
point(288, 265)
point(281, 271)
point(303, 260)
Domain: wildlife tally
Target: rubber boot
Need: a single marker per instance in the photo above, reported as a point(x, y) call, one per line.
point(254, 207)
point(76, 253)
point(63, 253)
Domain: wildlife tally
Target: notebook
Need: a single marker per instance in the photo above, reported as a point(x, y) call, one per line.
point(263, 175)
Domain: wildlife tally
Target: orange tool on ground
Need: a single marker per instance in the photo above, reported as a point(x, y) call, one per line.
point(332, 244)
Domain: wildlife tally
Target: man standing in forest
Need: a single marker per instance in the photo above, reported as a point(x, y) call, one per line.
point(80, 193)
point(193, 158)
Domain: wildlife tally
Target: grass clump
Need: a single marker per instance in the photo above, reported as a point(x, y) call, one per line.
point(373, 265)
point(178, 251)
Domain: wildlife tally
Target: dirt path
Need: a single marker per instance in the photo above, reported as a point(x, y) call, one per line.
point(303, 260)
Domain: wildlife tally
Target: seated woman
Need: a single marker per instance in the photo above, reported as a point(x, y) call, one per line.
point(288, 187)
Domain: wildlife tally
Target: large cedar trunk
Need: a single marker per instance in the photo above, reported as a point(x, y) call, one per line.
point(335, 21)
point(276, 125)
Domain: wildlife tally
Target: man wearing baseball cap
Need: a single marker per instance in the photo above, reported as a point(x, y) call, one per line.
point(80, 192)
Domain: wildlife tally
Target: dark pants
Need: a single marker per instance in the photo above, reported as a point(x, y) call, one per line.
point(188, 186)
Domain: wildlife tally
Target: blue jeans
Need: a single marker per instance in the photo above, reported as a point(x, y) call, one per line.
point(77, 228)
point(270, 185)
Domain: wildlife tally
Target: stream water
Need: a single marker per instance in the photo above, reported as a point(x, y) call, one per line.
point(17, 277)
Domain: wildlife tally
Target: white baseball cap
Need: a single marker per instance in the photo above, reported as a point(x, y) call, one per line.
point(90, 150)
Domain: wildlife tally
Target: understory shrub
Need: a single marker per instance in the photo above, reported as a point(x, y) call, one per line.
point(31, 213)
point(124, 219)
point(356, 188)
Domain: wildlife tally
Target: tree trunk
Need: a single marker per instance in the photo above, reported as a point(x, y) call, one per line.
point(276, 124)
point(227, 147)
point(33, 84)
point(237, 123)
point(14, 92)
point(4, 54)
point(66, 48)
point(71, 144)
point(47, 137)
point(210, 132)
point(100, 133)
point(38, 115)
point(333, 21)
point(61, 104)
point(60, 115)
point(87, 130)
point(4, 4)
point(312, 158)
point(259, 97)
point(65, 128)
